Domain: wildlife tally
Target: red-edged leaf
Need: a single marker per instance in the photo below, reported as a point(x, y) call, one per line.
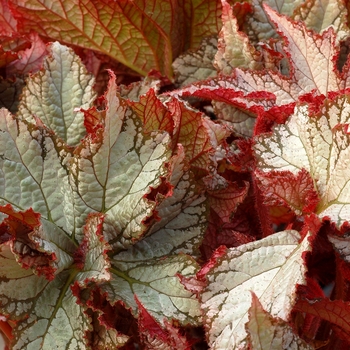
point(284, 188)
point(153, 113)
point(157, 337)
point(234, 48)
point(317, 143)
point(55, 318)
point(312, 58)
point(334, 311)
point(37, 243)
point(267, 332)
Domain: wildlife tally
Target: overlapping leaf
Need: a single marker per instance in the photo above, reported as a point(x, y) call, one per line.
point(321, 14)
point(53, 94)
point(46, 313)
point(143, 35)
point(312, 59)
point(33, 169)
point(319, 144)
point(266, 332)
point(114, 168)
point(270, 268)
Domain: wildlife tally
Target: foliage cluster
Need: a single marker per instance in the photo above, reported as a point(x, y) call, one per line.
point(175, 174)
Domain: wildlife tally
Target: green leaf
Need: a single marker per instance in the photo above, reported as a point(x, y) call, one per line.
point(53, 94)
point(46, 313)
point(33, 169)
point(114, 168)
point(156, 285)
point(271, 268)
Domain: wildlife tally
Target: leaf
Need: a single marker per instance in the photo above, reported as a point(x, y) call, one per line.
point(312, 60)
point(33, 171)
point(37, 244)
point(271, 268)
point(319, 144)
point(259, 25)
point(153, 113)
point(135, 162)
point(154, 336)
point(53, 94)
point(156, 285)
point(196, 64)
point(149, 268)
point(112, 28)
point(46, 313)
point(333, 311)
point(205, 19)
point(318, 15)
point(31, 59)
point(143, 35)
point(234, 48)
point(8, 25)
point(266, 332)
point(286, 189)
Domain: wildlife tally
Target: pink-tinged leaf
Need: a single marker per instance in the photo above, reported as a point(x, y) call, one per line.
point(31, 59)
point(333, 311)
point(159, 337)
point(8, 24)
point(267, 332)
point(55, 92)
point(317, 143)
point(136, 162)
point(199, 136)
point(283, 188)
point(271, 268)
point(191, 132)
point(48, 309)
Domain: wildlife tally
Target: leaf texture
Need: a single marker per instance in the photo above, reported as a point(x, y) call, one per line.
point(319, 144)
point(270, 268)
